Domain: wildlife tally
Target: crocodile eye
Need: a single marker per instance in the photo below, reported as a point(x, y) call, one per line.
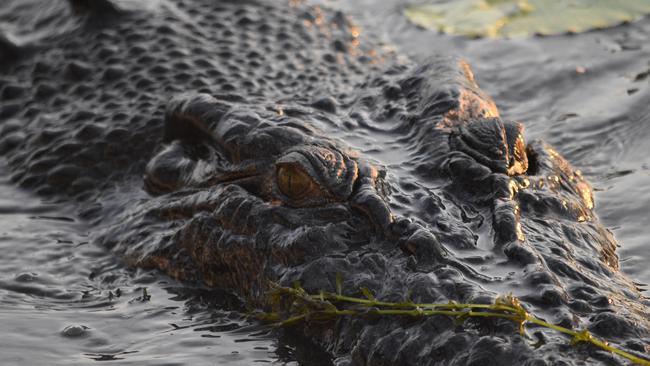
point(293, 182)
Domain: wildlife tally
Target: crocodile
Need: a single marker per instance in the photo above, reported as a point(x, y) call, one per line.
point(239, 143)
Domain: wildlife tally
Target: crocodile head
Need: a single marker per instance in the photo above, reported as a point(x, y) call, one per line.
point(257, 189)
point(306, 154)
point(454, 206)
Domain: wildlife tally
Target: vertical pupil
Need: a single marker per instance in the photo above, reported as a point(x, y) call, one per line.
point(292, 181)
point(289, 178)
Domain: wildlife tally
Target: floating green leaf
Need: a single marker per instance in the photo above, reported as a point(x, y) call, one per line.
point(514, 18)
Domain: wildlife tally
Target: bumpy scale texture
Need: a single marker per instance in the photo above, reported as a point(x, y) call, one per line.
point(238, 142)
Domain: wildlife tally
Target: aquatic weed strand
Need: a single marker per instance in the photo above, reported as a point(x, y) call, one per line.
point(294, 305)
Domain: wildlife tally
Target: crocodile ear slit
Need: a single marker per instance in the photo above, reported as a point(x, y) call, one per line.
point(193, 118)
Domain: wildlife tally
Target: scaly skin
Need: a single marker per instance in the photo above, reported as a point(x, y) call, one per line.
point(277, 144)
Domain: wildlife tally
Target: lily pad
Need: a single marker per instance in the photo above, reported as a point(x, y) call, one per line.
point(516, 18)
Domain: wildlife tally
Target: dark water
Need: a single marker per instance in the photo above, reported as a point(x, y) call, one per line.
point(64, 301)
point(587, 94)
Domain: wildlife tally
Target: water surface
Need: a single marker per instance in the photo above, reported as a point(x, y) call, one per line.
point(64, 301)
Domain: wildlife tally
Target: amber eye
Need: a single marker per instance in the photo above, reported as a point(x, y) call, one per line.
point(293, 181)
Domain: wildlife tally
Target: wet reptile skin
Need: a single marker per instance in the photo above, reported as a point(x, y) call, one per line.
point(172, 127)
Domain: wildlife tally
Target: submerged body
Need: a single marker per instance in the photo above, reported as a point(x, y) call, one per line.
point(240, 143)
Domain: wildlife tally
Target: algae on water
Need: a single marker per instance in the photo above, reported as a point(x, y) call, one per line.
point(515, 18)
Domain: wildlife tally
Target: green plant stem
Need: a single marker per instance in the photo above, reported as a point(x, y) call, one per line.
point(585, 336)
point(310, 309)
point(373, 303)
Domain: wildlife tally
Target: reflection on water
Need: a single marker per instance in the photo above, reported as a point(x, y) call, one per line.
point(66, 302)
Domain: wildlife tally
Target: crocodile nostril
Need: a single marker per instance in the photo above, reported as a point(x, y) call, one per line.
point(533, 162)
point(496, 144)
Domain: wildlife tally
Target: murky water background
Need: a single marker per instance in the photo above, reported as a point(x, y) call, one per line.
point(64, 301)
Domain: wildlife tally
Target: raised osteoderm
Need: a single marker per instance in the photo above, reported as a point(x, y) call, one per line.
point(241, 142)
